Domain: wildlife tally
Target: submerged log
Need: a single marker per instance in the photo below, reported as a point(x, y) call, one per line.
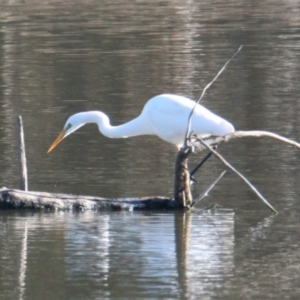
point(17, 199)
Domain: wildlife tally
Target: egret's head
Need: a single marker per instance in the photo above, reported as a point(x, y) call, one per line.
point(72, 124)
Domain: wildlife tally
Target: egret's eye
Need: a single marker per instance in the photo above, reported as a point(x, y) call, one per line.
point(68, 126)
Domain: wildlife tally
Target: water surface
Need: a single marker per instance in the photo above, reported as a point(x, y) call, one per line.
point(60, 58)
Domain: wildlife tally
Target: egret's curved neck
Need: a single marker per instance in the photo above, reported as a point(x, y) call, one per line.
point(131, 128)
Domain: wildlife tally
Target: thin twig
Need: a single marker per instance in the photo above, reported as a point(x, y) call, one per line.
point(205, 193)
point(228, 165)
point(204, 90)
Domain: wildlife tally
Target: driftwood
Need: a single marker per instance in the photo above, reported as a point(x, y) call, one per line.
point(12, 199)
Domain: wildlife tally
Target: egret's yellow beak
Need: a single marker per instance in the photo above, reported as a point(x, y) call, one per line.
point(57, 141)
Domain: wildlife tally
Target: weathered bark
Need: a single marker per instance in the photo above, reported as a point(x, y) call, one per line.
point(182, 191)
point(17, 199)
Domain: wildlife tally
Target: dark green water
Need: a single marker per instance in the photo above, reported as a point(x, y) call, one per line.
point(58, 58)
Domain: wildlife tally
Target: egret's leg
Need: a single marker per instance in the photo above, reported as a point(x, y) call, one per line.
point(200, 164)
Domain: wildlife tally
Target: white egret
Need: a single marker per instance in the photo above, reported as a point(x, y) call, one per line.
point(165, 116)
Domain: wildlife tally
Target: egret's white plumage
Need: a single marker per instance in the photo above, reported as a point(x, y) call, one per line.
point(165, 116)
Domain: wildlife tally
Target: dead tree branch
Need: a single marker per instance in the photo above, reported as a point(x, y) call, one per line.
point(216, 140)
point(211, 186)
point(204, 91)
point(228, 165)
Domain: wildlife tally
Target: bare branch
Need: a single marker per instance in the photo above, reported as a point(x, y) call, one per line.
point(215, 140)
point(205, 193)
point(259, 133)
point(239, 174)
point(205, 89)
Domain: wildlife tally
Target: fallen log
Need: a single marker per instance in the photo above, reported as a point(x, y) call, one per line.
point(18, 199)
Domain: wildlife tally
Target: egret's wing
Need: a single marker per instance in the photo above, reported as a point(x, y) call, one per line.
point(169, 120)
